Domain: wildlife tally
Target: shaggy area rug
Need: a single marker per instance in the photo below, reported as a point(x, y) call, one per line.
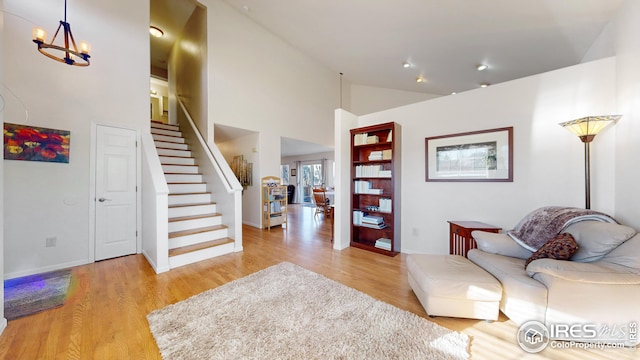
point(288, 312)
point(31, 294)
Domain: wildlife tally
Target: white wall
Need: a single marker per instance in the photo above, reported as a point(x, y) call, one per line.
point(52, 199)
point(548, 160)
point(189, 70)
point(3, 321)
point(260, 83)
point(251, 196)
point(627, 139)
point(367, 99)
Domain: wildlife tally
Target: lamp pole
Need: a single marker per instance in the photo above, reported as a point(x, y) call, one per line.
point(587, 176)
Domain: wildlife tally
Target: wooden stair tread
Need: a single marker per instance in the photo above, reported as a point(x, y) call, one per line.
point(177, 156)
point(194, 217)
point(166, 148)
point(176, 234)
point(174, 173)
point(192, 204)
point(200, 246)
point(191, 193)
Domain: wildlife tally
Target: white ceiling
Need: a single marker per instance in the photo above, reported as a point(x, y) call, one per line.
point(368, 40)
point(444, 40)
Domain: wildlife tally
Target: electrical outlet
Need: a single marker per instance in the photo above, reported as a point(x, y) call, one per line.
point(51, 241)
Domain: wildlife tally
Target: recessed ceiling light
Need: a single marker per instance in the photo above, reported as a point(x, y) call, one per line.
point(484, 85)
point(482, 67)
point(453, 93)
point(406, 65)
point(420, 79)
point(155, 32)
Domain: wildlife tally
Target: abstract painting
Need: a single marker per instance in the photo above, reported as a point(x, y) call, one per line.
point(36, 144)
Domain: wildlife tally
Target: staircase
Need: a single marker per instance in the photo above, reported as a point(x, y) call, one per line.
point(196, 231)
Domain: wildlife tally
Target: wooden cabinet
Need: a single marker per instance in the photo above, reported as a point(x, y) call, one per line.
point(375, 188)
point(274, 202)
point(460, 239)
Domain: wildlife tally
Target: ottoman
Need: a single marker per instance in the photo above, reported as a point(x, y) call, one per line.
point(451, 285)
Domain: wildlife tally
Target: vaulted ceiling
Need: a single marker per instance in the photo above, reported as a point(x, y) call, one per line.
point(443, 41)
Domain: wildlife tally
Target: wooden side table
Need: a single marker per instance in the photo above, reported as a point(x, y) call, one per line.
point(460, 239)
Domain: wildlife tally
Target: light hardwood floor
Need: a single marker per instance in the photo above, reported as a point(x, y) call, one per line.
point(104, 316)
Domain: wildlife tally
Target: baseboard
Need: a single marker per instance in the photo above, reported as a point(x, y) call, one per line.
point(3, 325)
point(45, 269)
point(155, 267)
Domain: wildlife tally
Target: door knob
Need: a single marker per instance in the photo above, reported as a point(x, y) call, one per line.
point(103, 199)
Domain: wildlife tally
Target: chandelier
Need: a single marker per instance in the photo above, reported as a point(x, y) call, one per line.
point(69, 53)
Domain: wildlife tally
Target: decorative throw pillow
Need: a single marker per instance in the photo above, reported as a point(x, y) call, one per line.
point(560, 247)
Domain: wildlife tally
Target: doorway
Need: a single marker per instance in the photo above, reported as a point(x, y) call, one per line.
point(116, 198)
point(311, 175)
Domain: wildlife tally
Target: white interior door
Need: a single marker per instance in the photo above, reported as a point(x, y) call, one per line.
point(116, 200)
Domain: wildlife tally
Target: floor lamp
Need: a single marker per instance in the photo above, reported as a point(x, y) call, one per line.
point(587, 128)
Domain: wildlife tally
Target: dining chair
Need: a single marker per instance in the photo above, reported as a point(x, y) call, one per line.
point(322, 203)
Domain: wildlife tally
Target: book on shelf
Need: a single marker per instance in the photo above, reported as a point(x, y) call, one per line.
point(384, 205)
point(386, 154)
point(370, 219)
point(390, 136)
point(364, 138)
point(357, 217)
point(373, 226)
point(383, 243)
point(372, 171)
point(376, 155)
point(364, 187)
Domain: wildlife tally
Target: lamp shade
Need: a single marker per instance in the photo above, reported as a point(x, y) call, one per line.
point(588, 127)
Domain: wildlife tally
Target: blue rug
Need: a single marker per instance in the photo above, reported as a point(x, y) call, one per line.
point(31, 294)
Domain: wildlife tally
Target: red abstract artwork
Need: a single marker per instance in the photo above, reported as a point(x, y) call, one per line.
point(36, 144)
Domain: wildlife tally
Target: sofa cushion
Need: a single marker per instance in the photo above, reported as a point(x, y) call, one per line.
point(501, 244)
point(596, 238)
point(627, 254)
point(592, 273)
point(523, 298)
point(560, 247)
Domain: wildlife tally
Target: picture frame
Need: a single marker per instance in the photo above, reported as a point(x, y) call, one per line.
point(31, 143)
point(481, 156)
point(293, 172)
point(284, 174)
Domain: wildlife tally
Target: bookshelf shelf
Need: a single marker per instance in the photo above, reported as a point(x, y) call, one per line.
point(375, 188)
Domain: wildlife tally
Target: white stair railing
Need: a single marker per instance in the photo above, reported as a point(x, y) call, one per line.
point(217, 174)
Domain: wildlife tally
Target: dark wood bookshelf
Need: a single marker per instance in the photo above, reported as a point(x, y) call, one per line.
point(387, 139)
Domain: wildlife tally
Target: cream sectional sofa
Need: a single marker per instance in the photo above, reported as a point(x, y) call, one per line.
point(599, 285)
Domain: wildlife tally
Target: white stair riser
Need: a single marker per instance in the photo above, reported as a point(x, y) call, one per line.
point(194, 210)
point(168, 160)
point(168, 139)
point(166, 132)
point(183, 178)
point(164, 126)
point(187, 188)
point(189, 199)
point(170, 145)
point(171, 152)
point(180, 169)
point(190, 258)
point(194, 223)
point(198, 238)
